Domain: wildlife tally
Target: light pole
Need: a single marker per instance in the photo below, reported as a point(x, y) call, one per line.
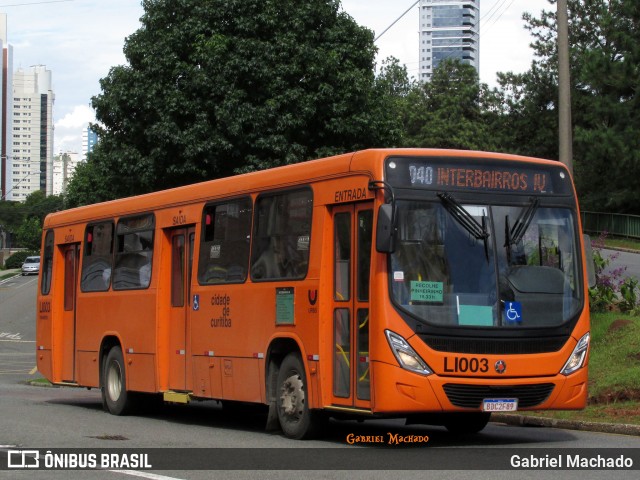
point(564, 88)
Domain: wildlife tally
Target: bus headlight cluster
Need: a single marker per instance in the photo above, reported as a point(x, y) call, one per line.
point(576, 360)
point(406, 356)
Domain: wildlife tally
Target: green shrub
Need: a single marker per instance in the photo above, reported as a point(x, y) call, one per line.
point(17, 259)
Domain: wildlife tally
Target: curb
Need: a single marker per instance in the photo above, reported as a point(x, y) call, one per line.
point(12, 275)
point(621, 249)
point(526, 421)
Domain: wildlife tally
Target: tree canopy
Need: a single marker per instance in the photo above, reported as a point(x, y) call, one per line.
point(604, 37)
point(23, 221)
point(450, 111)
point(217, 87)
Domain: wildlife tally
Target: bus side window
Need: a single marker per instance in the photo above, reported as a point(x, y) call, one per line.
point(226, 235)
point(281, 236)
point(98, 255)
point(134, 253)
point(47, 264)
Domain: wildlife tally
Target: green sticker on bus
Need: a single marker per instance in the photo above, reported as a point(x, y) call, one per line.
point(426, 291)
point(284, 306)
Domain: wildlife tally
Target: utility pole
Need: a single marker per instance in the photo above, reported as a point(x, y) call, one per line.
point(564, 87)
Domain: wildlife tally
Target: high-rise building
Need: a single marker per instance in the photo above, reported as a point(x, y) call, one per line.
point(449, 29)
point(89, 141)
point(6, 108)
point(32, 127)
point(64, 164)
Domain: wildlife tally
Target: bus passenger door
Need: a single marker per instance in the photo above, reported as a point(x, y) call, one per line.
point(352, 233)
point(71, 255)
point(182, 242)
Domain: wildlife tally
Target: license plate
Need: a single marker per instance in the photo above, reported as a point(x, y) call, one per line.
point(500, 404)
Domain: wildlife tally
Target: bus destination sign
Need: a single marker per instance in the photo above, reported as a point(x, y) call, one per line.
point(437, 174)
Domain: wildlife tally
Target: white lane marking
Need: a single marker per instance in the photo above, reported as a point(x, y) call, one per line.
point(8, 279)
point(27, 283)
point(151, 476)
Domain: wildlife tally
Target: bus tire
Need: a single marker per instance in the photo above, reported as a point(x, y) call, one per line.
point(115, 397)
point(467, 423)
point(294, 416)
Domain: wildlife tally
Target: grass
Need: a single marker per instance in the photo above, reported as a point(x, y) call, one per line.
point(40, 382)
point(614, 370)
point(6, 275)
point(620, 242)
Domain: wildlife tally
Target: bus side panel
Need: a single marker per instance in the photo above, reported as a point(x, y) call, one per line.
point(87, 369)
point(43, 337)
point(207, 381)
point(45, 364)
point(128, 315)
point(236, 326)
point(241, 379)
point(141, 372)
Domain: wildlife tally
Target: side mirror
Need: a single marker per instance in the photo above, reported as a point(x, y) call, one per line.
point(386, 231)
point(591, 266)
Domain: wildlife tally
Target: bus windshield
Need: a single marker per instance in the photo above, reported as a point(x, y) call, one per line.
point(495, 266)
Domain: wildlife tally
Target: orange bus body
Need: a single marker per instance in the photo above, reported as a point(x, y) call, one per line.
point(231, 338)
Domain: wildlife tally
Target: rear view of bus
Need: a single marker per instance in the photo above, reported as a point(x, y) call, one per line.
point(484, 295)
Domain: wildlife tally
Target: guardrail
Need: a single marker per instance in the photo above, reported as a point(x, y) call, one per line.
point(617, 224)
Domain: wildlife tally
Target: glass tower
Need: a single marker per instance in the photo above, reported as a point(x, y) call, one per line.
point(449, 29)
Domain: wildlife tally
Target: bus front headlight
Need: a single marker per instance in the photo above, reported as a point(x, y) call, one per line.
point(405, 355)
point(576, 360)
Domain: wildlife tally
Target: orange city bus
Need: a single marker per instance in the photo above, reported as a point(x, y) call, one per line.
point(434, 285)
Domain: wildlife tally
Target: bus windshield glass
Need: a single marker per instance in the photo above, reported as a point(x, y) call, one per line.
point(482, 265)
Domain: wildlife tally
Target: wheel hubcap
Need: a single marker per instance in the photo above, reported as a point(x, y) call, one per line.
point(292, 397)
point(114, 381)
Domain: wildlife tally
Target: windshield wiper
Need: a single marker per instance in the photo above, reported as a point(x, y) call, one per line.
point(514, 235)
point(465, 219)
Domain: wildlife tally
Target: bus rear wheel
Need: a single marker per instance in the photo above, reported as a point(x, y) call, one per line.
point(115, 397)
point(294, 416)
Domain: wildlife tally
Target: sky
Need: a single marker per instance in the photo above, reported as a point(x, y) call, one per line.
point(80, 40)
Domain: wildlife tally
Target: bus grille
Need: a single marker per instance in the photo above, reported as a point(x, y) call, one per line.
point(498, 346)
point(471, 396)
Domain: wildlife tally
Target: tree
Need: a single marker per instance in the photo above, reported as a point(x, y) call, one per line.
point(608, 81)
point(25, 220)
point(393, 88)
point(90, 183)
point(605, 72)
point(29, 234)
point(218, 87)
point(528, 121)
point(453, 110)
point(39, 205)
point(11, 214)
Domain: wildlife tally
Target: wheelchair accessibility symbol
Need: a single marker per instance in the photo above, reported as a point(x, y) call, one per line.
point(196, 302)
point(513, 312)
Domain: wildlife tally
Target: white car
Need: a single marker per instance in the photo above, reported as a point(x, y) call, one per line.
point(31, 265)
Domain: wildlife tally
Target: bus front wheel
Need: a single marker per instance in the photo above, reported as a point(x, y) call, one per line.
point(115, 397)
point(294, 416)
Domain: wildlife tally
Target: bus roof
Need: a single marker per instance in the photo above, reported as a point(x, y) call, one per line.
point(369, 162)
